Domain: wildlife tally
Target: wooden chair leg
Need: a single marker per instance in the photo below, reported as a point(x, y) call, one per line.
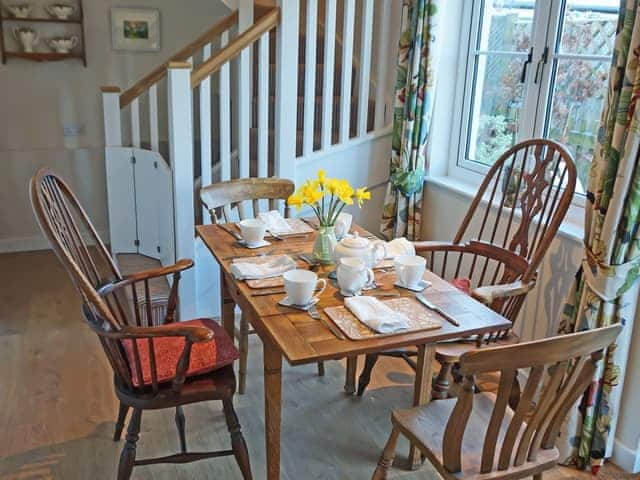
point(537, 476)
point(350, 375)
point(128, 455)
point(122, 416)
point(238, 444)
point(386, 459)
point(365, 376)
point(442, 382)
point(244, 352)
point(181, 431)
point(321, 369)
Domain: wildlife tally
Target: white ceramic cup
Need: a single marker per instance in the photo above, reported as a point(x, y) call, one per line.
point(252, 230)
point(343, 224)
point(410, 269)
point(301, 284)
point(353, 275)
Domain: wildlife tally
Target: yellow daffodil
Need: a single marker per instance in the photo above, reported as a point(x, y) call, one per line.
point(361, 195)
point(295, 200)
point(322, 176)
point(344, 192)
point(310, 192)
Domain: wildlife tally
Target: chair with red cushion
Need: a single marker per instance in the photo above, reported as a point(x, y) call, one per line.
point(496, 253)
point(157, 362)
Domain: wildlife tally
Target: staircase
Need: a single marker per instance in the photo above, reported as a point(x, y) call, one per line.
point(267, 91)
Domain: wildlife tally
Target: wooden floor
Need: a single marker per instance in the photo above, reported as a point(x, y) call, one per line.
point(57, 405)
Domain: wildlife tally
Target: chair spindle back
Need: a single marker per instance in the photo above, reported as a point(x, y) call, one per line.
point(220, 198)
point(569, 362)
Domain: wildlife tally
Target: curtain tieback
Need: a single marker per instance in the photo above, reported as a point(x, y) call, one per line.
point(609, 282)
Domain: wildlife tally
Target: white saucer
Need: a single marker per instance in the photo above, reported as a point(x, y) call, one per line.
point(251, 246)
point(419, 287)
point(285, 302)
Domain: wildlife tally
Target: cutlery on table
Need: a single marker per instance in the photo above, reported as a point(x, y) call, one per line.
point(231, 232)
point(311, 223)
point(382, 294)
point(315, 314)
point(432, 306)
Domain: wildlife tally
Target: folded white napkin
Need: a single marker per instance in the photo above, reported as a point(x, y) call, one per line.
point(399, 246)
point(251, 271)
point(275, 222)
point(376, 315)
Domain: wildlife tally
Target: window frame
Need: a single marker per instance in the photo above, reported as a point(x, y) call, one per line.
point(546, 31)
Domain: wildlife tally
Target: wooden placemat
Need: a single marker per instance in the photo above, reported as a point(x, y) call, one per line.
point(420, 318)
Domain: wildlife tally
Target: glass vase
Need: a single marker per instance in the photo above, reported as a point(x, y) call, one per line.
point(324, 245)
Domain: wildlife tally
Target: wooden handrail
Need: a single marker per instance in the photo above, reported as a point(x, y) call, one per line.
point(205, 69)
point(135, 91)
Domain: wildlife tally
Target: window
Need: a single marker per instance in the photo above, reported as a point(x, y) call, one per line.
point(535, 68)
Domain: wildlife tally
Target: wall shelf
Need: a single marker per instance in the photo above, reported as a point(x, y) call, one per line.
point(79, 52)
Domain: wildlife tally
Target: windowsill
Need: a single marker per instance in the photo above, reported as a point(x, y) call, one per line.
point(571, 228)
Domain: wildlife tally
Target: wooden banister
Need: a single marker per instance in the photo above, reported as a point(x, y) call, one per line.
point(134, 92)
point(266, 23)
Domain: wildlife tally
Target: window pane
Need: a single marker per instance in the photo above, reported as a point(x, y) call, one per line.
point(589, 27)
point(496, 107)
point(578, 92)
point(506, 25)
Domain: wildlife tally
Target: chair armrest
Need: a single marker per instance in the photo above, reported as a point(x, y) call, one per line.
point(179, 266)
point(490, 293)
point(192, 333)
point(433, 246)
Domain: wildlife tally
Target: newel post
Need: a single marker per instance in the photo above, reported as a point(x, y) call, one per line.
point(286, 89)
point(111, 114)
point(180, 110)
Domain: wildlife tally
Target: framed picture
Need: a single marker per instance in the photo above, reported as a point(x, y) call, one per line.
point(136, 29)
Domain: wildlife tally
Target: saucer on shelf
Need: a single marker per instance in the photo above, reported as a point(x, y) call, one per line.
point(420, 286)
point(251, 246)
point(285, 302)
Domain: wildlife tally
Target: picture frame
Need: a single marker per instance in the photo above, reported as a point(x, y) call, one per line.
point(135, 29)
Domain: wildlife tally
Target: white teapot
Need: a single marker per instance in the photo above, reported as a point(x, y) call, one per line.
point(27, 37)
point(60, 11)
point(63, 44)
point(360, 247)
point(19, 10)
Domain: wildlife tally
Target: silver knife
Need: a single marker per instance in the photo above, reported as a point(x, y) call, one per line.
point(432, 306)
point(231, 232)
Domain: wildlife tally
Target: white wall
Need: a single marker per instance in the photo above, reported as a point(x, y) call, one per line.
point(38, 99)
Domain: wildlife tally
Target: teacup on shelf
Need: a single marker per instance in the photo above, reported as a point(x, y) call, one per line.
point(19, 10)
point(61, 11)
point(63, 44)
point(27, 37)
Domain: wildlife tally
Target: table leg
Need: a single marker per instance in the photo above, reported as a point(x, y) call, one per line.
point(350, 375)
point(422, 391)
point(228, 308)
point(272, 407)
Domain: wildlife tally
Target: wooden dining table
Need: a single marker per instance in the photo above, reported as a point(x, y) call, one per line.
point(298, 338)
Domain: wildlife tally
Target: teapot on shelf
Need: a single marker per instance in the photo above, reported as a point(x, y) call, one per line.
point(27, 37)
point(19, 10)
point(61, 11)
point(359, 247)
point(63, 44)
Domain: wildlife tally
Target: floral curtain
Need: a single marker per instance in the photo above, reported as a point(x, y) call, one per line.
point(605, 289)
point(411, 117)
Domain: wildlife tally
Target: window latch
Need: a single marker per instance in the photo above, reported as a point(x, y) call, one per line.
point(542, 62)
point(523, 75)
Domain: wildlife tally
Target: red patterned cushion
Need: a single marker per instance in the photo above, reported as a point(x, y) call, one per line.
point(462, 284)
point(205, 356)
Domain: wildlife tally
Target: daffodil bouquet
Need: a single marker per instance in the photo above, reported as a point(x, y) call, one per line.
point(327, 197)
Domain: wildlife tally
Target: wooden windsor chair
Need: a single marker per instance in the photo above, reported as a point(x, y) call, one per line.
point(220, 199)
point(478, 436)
point(496, 253)
point(157, 363)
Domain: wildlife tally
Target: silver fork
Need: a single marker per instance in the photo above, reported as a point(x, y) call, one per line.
point(315, 314)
